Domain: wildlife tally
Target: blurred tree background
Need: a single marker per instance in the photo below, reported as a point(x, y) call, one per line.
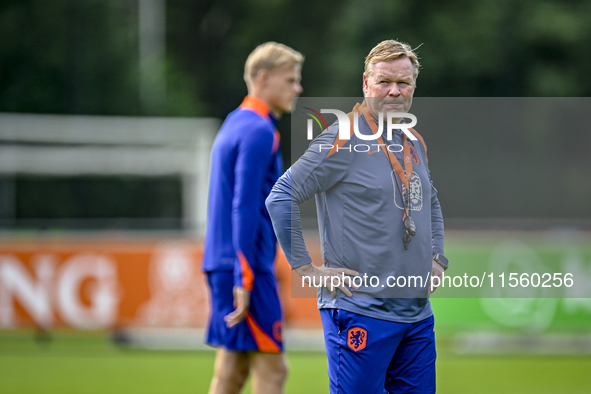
point(83, 56)
point(186, 57)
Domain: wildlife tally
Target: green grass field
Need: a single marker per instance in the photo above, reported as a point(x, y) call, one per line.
point(74, 362)
point(89, 363)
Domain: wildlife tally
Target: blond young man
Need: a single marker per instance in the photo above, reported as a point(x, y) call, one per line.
point(240, 246)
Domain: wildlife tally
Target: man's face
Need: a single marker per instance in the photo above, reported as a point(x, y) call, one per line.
point(283, 84)
point(393, 84)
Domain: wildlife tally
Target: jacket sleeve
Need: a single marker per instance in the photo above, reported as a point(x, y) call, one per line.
point(437, 233)
point(315, 172)
point(252, 161)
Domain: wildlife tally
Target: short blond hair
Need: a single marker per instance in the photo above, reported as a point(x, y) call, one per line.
point(390, 50)
point(268, 56)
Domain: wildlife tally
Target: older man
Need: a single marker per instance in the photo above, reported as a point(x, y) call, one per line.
point(379, 216)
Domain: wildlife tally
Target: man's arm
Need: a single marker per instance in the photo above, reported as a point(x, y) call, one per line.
point(284, 210)
point(252, 161)
point(285, 214)
point(314, 172)
point(437, 236)
point(437, 233)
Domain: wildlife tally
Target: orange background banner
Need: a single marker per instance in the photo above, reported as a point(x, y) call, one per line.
point(106, 284)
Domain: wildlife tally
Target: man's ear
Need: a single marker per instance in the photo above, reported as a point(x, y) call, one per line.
point(365, 84)
point(261, 77)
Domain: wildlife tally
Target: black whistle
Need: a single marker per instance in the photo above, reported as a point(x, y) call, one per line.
point(410, 230)
point(406, 241)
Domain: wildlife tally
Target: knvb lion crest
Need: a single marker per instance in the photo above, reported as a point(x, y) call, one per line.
point(416, 192)
point(357, 338)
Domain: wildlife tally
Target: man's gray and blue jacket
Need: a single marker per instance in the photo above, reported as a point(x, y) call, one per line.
point(360, 211)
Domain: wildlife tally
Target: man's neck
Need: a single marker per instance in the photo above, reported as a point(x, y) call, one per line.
point(261, 96)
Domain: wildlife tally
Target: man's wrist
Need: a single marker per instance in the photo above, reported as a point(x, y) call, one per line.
point(303, 270)
point(440, 259)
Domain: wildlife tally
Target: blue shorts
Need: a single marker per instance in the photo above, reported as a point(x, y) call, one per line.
point(261, 331)
point(371, 356)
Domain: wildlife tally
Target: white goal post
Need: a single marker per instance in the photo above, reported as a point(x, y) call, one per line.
point(73, 145)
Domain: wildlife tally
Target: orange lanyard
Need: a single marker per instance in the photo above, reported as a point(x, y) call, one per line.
point(404, 175)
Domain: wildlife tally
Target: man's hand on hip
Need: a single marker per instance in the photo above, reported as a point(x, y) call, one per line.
point(325, 275)
point(436, 271)
point(241, 303)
